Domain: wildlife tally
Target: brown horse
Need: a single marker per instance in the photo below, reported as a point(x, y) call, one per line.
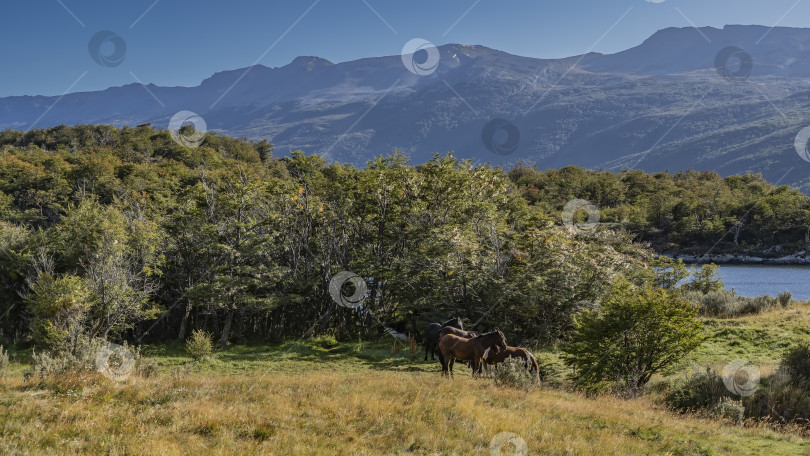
point(456, 332)
point(453, 347)
point(493, 358)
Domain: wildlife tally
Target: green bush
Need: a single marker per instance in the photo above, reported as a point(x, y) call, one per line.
point(513, 374)
point(729, 409)
point(727, 304)
point(81, 357)
point(796, 364)
point(781, 398)
point(785, 298)
point(780, 402)
point(700, 391)
point(719, 303)
point(636, 333)
point(200, 345)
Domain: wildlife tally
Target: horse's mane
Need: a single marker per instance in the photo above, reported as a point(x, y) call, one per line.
point(454, 320)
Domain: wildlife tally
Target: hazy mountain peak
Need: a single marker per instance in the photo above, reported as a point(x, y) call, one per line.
point(309, 63)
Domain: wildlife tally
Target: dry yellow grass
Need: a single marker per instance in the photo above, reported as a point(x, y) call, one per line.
point(348, 413)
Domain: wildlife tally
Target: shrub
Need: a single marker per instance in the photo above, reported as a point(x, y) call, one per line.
point(796, 364)
point(512, 373)
point(718, 303)
point(784, 298)
point(636, 333)
point(780, 402)
point(81, 357)
point(725, 303)
point(730, 409)
point(700, 391)
point(200, 345)
point(760, 304)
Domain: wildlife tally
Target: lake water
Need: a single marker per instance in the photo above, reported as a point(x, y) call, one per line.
point(755, 280)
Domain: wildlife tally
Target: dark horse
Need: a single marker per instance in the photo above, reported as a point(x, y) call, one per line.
point(432, 334)
point(454, 347)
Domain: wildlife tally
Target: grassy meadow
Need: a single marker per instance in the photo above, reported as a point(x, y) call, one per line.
point(361, 398)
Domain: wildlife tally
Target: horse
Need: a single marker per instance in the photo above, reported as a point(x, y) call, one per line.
point(432, 335)
point(492, 358)
point(456, 332)
point(453, 347)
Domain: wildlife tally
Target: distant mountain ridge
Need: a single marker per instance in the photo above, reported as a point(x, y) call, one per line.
point(661, 105)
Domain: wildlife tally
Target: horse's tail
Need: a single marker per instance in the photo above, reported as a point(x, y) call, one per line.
point(535, 370)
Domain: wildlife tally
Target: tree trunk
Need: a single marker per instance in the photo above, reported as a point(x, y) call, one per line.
point(182, 334)
point(226, 330)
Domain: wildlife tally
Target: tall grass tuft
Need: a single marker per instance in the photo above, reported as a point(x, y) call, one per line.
point(3, 361)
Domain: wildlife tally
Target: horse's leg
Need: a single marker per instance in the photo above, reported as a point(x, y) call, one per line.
point(444, 365)
point(427, 345)
point(451, 362)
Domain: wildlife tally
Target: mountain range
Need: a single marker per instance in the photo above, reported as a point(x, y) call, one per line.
point(730, 100)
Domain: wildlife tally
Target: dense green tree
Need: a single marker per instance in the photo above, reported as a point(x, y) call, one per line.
point(634, 333)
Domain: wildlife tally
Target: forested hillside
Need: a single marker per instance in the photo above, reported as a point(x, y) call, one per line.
point(125, 233)
point(685, 212)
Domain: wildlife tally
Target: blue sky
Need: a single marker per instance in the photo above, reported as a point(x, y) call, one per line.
point(181, 42)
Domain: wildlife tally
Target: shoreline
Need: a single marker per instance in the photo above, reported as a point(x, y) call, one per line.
point(797, 259)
